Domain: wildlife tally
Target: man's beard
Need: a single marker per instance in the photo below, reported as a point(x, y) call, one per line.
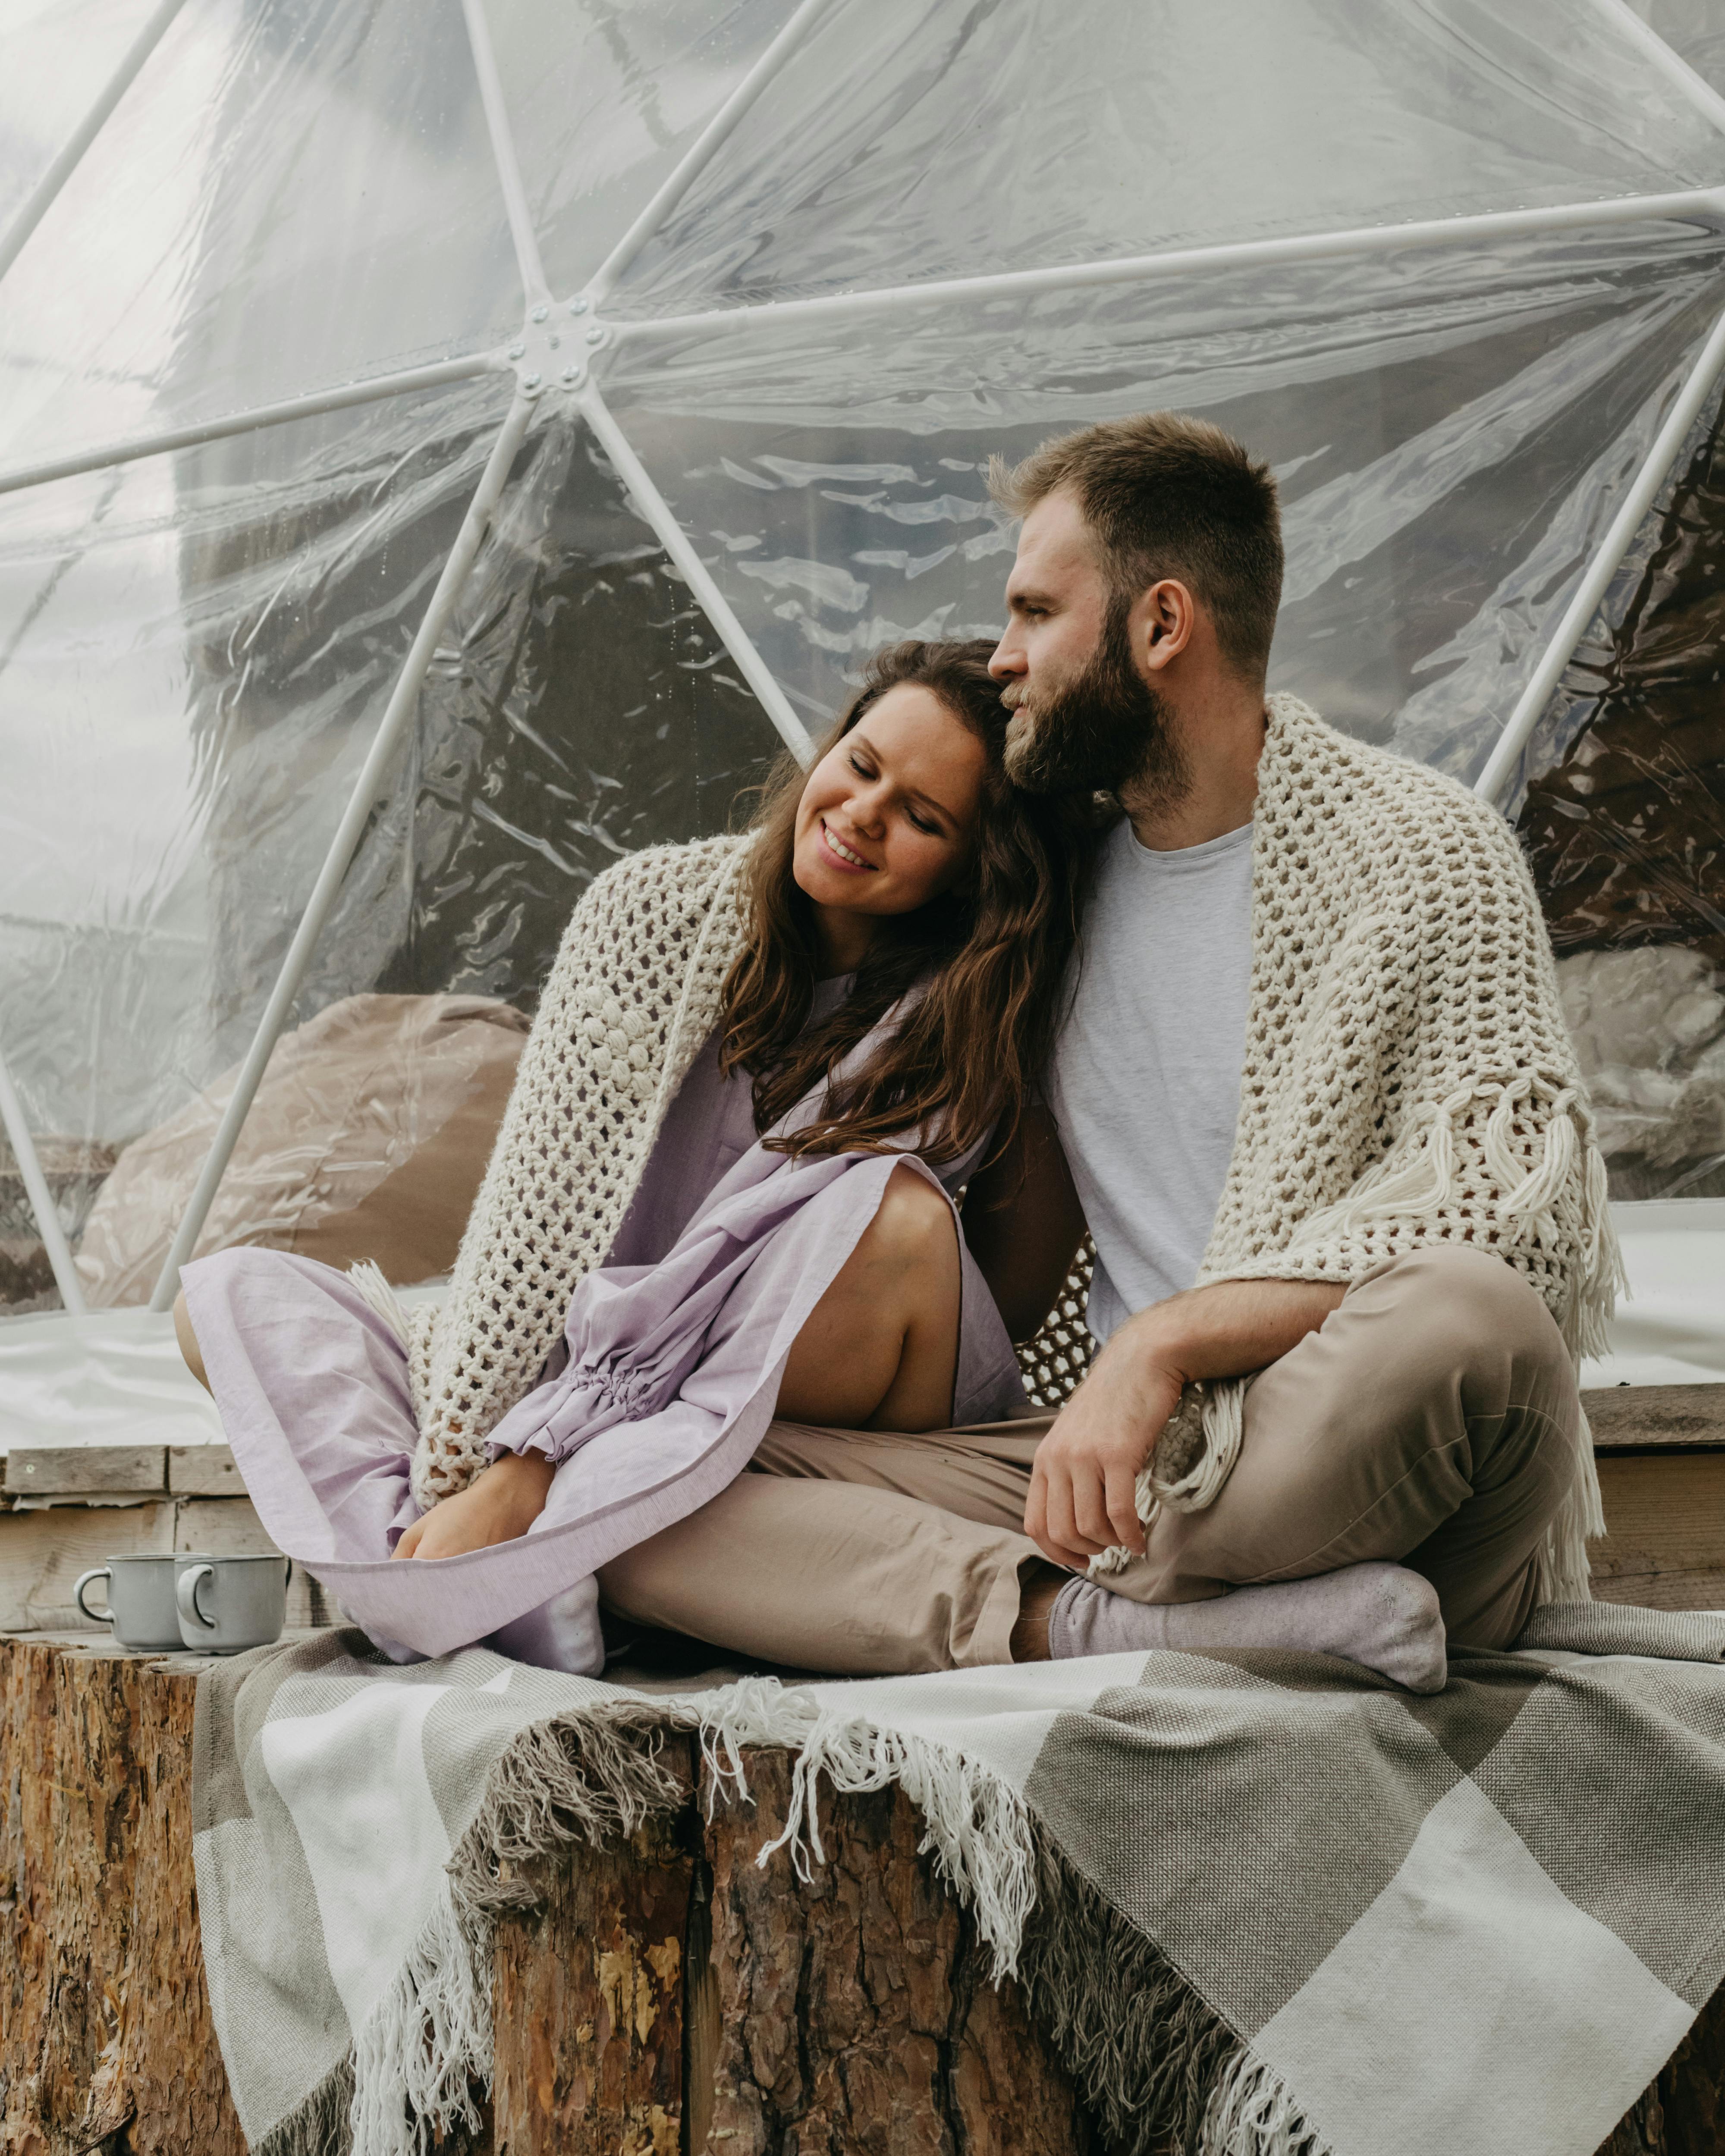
point(1105, 730)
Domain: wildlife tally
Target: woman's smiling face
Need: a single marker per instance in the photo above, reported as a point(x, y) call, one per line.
point(888, 814)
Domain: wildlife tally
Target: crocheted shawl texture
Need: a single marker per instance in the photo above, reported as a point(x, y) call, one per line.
point(1408, 1078)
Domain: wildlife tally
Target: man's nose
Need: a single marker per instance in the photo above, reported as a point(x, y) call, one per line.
point(1008, 662)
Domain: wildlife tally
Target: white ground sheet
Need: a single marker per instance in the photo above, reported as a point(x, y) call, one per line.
point(116, 1376)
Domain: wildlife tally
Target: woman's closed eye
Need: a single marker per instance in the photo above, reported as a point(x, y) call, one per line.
point(864, 768)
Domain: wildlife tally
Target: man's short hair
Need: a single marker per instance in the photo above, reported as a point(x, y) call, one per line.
point(1169, 495)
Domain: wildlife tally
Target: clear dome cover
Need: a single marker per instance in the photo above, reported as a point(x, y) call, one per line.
point(444, 446)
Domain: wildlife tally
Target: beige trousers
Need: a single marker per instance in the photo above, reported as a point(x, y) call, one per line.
point(1432, 1418)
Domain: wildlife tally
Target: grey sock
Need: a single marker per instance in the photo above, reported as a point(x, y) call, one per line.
point(1382, 1616)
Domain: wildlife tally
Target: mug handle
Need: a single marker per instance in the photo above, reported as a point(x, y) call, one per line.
point(100, 1572)
point(186, 1595)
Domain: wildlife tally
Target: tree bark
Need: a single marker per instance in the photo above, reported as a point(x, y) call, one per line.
point(105, 2037)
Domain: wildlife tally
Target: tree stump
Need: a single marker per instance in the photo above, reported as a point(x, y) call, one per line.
point(668, 1997)
point(105, 2037)
point(707, 2002)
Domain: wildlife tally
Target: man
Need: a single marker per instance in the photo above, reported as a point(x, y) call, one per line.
point(1326, 1127)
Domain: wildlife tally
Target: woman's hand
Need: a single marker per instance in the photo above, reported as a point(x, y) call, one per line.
point(495, 1506)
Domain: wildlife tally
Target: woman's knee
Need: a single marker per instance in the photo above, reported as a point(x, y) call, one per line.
point(188, 1341)
point(913, 1224)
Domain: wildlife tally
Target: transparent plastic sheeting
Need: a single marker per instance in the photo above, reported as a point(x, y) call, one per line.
point(55, 55)
point(1694, 29)
point(195, 650)
point(310, 195)
point(194, 653)
point(905, 141)
point(1452, 434)
point(288, 197)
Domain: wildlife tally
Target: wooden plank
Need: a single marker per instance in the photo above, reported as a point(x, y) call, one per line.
point(202, 1471)
point(42, 1552)
point(1665, 1513)
point(229, 1527)
point(93, 1470)
point(1669, 1417)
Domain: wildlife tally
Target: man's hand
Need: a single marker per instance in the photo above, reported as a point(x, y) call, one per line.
point(1081, 1499)
point(1081, 1496)
point(495, 1506)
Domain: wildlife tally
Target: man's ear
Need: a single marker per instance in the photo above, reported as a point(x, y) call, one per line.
point(1162, 623)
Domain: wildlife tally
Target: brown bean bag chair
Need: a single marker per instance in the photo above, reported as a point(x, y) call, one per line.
point(368, 1139)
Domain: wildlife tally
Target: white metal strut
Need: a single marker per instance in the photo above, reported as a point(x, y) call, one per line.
point(676, 542)
point(41, 1198)
point(1703, 205)
point(699, 155)
point(1670, 64)
point(373, 390)
point(503, 155)
point(1501, 764)
point(398, 713)
point(42, 195)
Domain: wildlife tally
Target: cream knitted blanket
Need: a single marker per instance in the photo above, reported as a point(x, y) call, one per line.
point(1408, 1078)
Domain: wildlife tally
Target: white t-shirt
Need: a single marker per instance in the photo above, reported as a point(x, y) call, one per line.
point(1145, 1083)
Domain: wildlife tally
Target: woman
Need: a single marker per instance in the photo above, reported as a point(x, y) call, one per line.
point(721, 1192)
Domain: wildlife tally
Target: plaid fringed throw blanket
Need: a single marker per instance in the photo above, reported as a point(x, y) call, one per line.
point(1267, 1907)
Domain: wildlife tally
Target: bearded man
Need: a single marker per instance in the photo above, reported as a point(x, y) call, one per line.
point(1315, 1101)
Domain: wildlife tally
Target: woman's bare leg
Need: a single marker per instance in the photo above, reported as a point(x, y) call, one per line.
point(881, 1348)
point(188, 1341)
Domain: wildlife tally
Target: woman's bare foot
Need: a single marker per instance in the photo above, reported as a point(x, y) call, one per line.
point(1382, 1616)
point(188, 1341)
point(495, 1506)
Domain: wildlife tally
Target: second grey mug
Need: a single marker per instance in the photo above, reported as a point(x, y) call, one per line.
point(226, 1603)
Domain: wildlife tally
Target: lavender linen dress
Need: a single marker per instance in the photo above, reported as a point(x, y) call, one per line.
point(662, 1388)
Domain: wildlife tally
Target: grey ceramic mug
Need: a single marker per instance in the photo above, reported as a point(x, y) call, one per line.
point(140, 1599)
point(225, 1604)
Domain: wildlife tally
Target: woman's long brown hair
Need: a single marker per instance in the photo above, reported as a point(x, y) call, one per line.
point(990, 955)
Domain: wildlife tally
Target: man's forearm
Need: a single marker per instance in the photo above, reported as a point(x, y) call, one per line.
point(1224, 1331)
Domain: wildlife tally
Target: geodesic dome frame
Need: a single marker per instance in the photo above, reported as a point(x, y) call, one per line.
point(843, 233)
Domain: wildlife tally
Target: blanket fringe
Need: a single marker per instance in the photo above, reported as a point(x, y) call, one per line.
point(426, 2044)
point(975, 1826)
point(590, 1776)
point(1144, 2048)
point(1153, 2059)
point(374, 1288)
point(322, 2126)
point(1254, 2112)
